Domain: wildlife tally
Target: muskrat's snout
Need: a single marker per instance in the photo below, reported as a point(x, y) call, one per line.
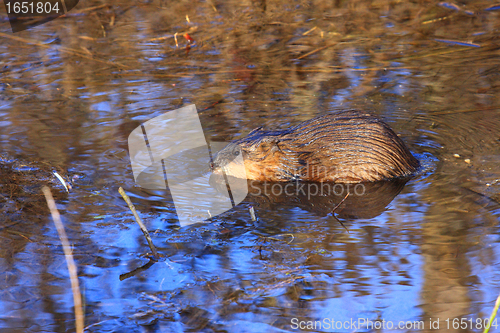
point(230, 161)
point(216, 167)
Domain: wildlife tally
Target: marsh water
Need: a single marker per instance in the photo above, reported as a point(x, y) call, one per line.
point(404, 257)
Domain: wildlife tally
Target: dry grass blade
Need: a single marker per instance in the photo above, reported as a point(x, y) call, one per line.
point(493, 315)
point(443, 113)
point(457, 42)
point(89, 9)
point(314, 51)
point(75, 287)
point(60, 48)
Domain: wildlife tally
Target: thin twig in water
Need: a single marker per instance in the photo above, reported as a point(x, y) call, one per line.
point(340, 203)
point(252, 213)
point(139, 222)
point(342, 224)
point(337, 206)
point(276, 239)
point(137, 270)
point(77, 296)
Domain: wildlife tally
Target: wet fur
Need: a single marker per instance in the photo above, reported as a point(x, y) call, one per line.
point(342, 147)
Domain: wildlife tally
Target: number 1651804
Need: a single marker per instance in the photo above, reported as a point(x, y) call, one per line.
point(34, 8)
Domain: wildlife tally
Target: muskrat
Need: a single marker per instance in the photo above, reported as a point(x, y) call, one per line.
point(341, 147)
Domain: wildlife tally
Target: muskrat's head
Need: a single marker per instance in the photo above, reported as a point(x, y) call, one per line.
point(252, 157)
point(230, 161)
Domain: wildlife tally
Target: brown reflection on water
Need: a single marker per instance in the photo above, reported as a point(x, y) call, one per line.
point(73, 89)
point(348, 201)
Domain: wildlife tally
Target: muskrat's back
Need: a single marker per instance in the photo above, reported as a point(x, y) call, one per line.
point(342, 147)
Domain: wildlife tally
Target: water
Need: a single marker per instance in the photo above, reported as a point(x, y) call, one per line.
point(412, 254)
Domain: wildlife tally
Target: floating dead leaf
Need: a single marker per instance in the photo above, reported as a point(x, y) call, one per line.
point(189, 39)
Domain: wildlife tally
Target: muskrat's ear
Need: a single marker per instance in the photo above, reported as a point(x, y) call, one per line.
point(269, 143)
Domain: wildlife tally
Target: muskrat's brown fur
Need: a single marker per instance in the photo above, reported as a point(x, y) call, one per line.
point(341, 147)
